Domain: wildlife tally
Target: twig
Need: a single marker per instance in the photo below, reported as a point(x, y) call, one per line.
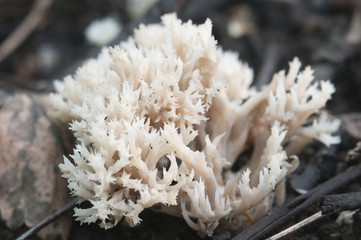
point(297, 226)
point(340, 202)
point(28, 25)
point(48, 220)
point(282, 215)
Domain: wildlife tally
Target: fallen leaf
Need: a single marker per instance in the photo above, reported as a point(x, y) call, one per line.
point(306, 180)
point(31, 187)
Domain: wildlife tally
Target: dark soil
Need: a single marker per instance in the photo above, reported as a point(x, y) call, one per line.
point(322, 33)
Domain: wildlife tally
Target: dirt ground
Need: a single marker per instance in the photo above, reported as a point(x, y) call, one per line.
point(325, 34)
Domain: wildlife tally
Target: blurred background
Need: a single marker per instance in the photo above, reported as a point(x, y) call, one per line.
point(44, 40)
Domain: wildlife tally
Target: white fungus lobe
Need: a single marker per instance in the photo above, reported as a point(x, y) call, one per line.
point(161, 119)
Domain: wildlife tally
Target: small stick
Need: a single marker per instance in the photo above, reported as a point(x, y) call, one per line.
point(339, 202)
point(48, 220)
point(28, 25)
point(297, 226)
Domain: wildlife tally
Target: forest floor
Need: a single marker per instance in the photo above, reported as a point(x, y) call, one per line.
point(267, 34)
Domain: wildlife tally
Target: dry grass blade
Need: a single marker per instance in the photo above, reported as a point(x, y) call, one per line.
point(297, 226)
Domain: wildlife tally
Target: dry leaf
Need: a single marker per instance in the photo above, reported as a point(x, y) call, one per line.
point(31, 187)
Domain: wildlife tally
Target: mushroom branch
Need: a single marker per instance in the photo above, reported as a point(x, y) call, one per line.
point(161, 119)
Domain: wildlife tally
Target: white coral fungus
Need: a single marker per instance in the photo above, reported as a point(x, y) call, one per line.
point(161, 119)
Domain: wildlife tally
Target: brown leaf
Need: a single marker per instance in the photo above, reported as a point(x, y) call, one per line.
point(31, 187)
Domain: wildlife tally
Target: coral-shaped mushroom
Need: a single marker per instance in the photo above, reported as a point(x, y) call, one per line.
point(161, 119)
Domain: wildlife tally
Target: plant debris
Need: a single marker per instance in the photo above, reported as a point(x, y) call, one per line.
point(322, 33)
point(30, 184)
